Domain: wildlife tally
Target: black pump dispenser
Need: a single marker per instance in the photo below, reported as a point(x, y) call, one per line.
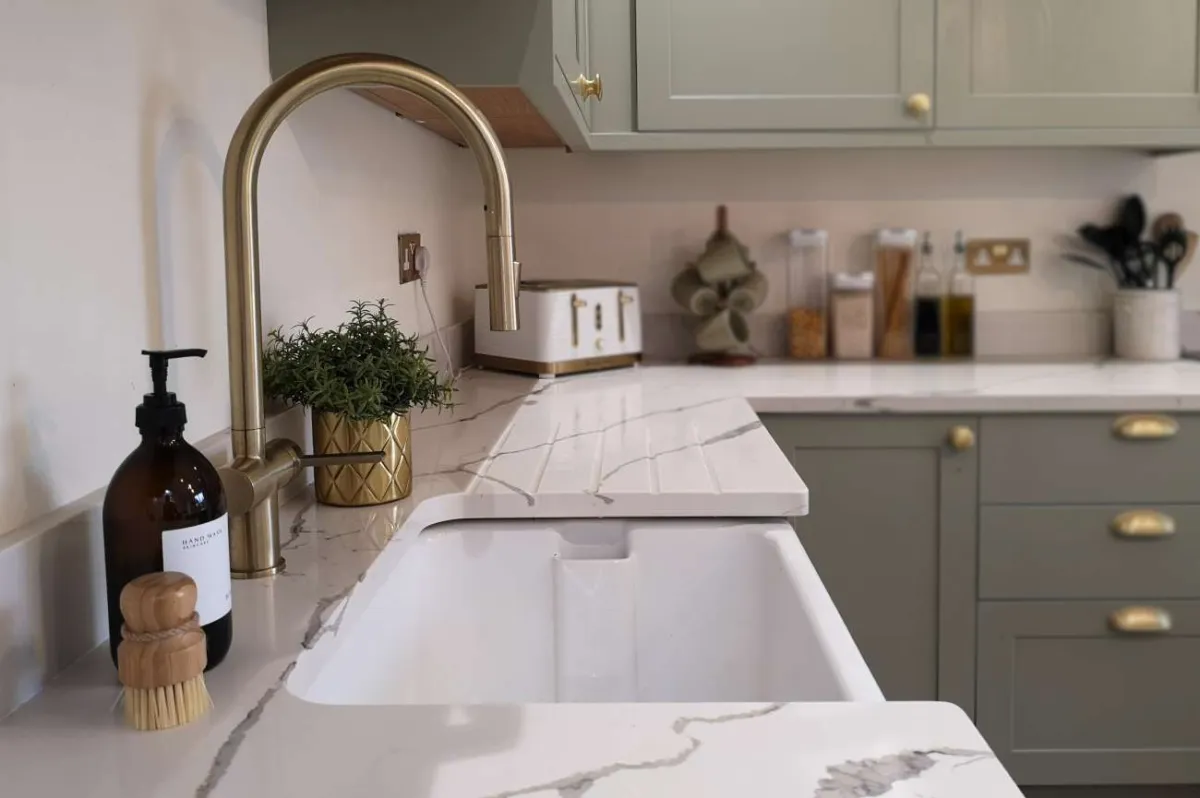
point(160, 411)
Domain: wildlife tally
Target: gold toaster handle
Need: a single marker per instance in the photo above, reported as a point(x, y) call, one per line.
point(623, 299)
point(576, 305)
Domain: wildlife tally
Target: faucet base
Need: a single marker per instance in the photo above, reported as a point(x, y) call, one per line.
point(252, 556)
point(272, 571)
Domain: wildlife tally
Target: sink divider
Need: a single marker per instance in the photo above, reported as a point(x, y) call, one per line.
point(595, 620)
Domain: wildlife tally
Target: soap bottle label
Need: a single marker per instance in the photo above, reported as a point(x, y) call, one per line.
point(202, 552)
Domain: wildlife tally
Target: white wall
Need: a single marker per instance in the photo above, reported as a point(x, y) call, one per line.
point(642, 217)
point(114, 120)
point(1178, 179)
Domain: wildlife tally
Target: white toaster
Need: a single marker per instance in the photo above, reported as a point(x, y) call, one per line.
point(567, 326)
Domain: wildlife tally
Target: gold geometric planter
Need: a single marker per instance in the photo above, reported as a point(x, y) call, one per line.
point(363, 484)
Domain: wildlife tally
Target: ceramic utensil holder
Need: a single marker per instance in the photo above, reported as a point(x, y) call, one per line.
point(1146, 324)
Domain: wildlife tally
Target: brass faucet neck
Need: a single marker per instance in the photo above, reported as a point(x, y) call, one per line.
point(240, 195)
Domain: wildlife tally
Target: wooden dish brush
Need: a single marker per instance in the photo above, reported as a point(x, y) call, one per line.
point(163, 652)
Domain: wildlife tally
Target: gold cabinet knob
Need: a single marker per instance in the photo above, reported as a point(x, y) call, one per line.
point(961, 438)
point(589, 88)
point(918, 105)
point(1143, 524)
point(1140, 620)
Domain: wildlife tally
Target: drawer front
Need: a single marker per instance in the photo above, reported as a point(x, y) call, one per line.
point(1063, 699)
point(1083, 459)
point(1082, 552)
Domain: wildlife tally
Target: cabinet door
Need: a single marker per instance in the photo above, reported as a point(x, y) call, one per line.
point(1063, 699)
point(782, 65)
point(570, 23)
point(891, 531)
point(1067, 63)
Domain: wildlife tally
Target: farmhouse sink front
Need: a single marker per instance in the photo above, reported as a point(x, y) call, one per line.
point(592, 611)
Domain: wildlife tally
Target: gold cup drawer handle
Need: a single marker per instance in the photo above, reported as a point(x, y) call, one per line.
point(1145, 427)
point(1140, 620)
point(1143, 524)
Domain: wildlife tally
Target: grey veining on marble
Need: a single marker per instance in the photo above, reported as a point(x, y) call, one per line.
point(576, 784)
point(866, 778)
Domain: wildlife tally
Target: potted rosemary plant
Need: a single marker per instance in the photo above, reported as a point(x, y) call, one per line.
point(359, 380)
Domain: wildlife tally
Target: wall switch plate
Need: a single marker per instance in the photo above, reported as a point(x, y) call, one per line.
point(998, 255)
point(408, 243)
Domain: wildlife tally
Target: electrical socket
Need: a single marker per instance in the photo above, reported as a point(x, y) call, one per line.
point(998, 255)
point(408, 243)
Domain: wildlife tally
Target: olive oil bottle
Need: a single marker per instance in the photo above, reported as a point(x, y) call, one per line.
point(960, 305)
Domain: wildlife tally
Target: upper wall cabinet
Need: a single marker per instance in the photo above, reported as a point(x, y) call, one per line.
point(523, 62)
point(570, 20)
point(716, 74)
point(782, 65)
point(1098, 64)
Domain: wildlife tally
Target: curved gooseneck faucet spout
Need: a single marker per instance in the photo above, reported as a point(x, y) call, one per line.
point(260, 467)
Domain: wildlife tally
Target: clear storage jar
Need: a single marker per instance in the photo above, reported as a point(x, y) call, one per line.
point(808, 297)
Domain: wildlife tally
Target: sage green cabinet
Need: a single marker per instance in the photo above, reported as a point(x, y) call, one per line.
point(1067, 64)
point(711, 74)
point(570, 43)
point(891, 531)
point(782, 65)
point(1064, 699)
point(990, 570)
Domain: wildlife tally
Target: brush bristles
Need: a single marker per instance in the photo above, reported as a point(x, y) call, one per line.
point(166, 707)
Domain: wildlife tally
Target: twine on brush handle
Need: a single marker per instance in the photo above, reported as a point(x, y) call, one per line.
point(190, 625)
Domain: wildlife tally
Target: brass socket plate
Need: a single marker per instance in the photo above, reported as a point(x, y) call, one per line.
point(998, 255)
point(408, 243)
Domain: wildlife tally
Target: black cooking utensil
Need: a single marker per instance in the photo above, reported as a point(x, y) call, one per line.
point(1141, 262)
point(1172, 247)
point(1131, 218)
point(1106, 239)
point(1150, 260)
point(1131, 264)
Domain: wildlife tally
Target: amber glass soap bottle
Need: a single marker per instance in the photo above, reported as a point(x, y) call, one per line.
point(165, 511)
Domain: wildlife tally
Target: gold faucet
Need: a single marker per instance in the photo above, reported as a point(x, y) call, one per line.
point(261, 467)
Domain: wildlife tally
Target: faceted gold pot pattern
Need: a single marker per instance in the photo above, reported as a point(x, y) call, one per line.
point(363, 484)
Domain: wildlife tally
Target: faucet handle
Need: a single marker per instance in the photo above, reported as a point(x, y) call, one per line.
point(248, 482)
point(349, 458)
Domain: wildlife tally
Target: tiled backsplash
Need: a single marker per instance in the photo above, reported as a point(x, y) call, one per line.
point(642, 217)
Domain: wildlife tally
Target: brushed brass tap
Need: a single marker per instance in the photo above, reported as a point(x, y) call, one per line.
point(261, 467)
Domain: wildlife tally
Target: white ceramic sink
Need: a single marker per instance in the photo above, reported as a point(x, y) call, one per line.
point(596, 610)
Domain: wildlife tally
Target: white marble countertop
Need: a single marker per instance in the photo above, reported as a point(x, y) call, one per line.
point(649, 441)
